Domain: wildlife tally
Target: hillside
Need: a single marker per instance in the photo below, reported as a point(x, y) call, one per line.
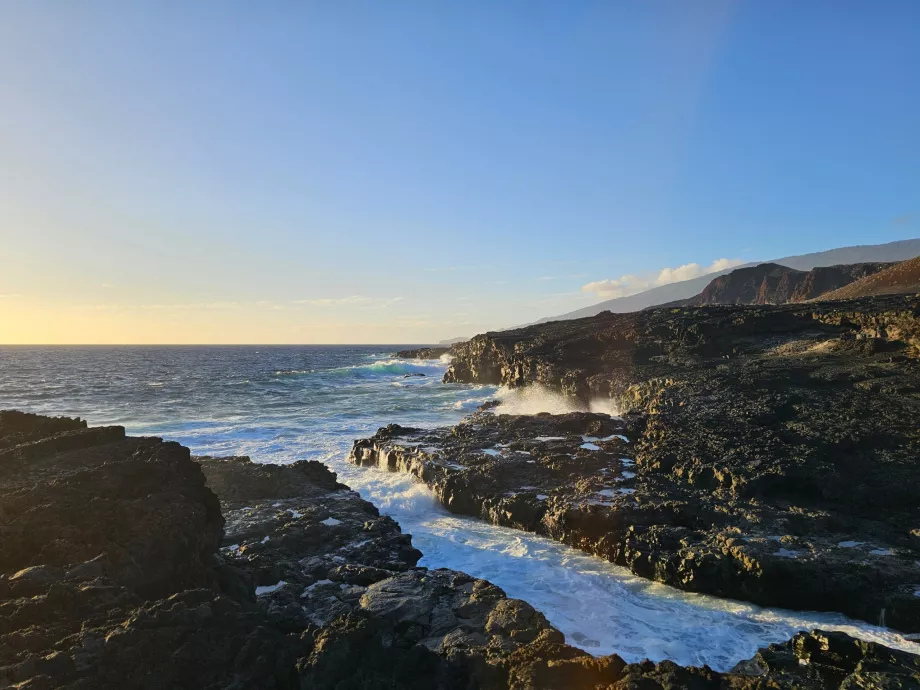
point(899, 279)
point(871, 253)
point(772, 283)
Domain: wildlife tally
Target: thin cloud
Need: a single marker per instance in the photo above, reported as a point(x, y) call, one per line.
point(468, 267)
point(631, 284)
point(902, 220)
point(183, 306)
point(351, 300)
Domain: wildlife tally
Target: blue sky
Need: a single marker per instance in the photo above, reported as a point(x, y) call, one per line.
point(407, 171)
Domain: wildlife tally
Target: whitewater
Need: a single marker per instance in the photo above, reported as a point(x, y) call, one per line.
point(282, 404)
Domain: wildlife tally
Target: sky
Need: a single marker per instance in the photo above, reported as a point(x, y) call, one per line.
point(407, 171)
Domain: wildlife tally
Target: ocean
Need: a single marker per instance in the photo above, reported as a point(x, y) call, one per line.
point(280, 404)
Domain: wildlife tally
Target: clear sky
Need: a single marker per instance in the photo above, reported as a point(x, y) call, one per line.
point(402, 171)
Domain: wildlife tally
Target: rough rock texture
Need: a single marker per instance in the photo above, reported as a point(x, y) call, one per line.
point(327, 565)
point(108, 577)
point(423, 353)
point(766, 440)
point(111, 576)
point(771, 283)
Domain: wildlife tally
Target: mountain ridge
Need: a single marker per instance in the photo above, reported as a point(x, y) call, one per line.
point(772, 283)
point(898, 250)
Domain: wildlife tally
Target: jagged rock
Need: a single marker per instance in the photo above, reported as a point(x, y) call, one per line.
point(423, 353)
point(576, 478)
point(776, 447)
point(106, 567)
point(122, 584)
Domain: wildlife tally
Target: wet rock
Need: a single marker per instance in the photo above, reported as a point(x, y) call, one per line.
point(423, 353)
point(131, 577)
point(762, 440)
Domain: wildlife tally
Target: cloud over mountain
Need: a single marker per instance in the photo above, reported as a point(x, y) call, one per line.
point(631, 284)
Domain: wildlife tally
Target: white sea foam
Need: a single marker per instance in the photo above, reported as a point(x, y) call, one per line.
point(266, 589)
point(536, 398)
point(599, 606)
point(319, 402)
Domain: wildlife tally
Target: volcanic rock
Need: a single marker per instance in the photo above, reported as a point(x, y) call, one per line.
point(118, 570)
point(423, 353)
point(776, 448)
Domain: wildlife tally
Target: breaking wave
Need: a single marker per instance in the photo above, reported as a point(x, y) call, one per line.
point(311, 404)
point(536, 398)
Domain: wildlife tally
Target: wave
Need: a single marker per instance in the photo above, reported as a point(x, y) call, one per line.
point(392, 367)
point(467, 404)
point(535, 398)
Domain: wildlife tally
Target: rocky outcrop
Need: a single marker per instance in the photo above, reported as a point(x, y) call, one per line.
point(423, 353)
point(118, 570)
point(108, 577)
point(772, 283)
point(772, 444)
point(579, 479)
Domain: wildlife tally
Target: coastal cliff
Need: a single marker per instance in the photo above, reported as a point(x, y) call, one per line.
point(122, 568)
point(772, 451)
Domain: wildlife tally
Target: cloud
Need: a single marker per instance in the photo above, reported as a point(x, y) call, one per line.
point(468, 267)
point(631, 284)
point(902, 220)
point(182, 306)
point(351, 300)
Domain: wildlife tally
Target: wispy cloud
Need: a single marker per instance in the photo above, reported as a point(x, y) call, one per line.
point(469, 267)
point(903, 219)
point(351, 300)
point(182, 306)
point(631, 284)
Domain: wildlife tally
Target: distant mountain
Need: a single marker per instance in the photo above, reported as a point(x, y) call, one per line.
point(451, 341)
point(870, 253)
point(773, 283)
point(900, 278)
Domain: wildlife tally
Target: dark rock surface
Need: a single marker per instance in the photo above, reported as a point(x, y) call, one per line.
point(118, 570)
point(575, 478)
point(756, 431)
point(772, 283)
point(108, 576)
point(423, 353)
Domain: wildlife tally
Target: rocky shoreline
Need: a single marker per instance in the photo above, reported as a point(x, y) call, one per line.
point(423, 353)
point(767, 454)
point(128, 563)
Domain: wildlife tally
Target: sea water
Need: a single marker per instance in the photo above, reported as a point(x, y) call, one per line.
point(282, 404)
